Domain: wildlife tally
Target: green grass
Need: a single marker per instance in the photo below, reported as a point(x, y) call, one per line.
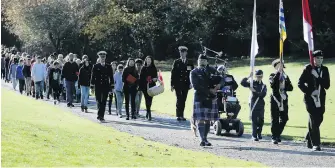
point(35, 133)
point(298, 118)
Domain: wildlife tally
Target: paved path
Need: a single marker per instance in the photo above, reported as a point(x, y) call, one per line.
point(167, 130)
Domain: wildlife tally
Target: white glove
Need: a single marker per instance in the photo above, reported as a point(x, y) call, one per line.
point(315, 93)
point(315, 74)
point(252, 89)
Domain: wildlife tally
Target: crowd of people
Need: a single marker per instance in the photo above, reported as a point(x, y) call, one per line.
point(71, 79)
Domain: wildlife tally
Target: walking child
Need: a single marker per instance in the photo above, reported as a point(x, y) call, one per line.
point(256, 103)
point(54, 81)
point(118, 83)
point(19, 75)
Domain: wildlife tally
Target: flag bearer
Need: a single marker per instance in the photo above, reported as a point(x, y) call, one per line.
point(313, 82)
point(280, 84)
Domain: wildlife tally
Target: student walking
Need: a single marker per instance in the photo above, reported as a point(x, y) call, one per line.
point(84, 83)
point(55, 80)
point(69, 73)
point(148, 77)
point(27, 75)
point(38, 74)
point(118, 90)
point(257, 103)
point(138, 99)
point(111, 93)
point(12, 72)
point(130, 80)
point(19, 76)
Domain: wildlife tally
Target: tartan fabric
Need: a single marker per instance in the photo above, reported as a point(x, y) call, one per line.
point(203, 113)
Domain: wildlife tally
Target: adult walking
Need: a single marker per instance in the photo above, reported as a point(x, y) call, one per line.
point(205, 108)
point(313, 82)
point(102, 81)
point(130, 79)
point(180, 81)
point(148, 77)
point(69, 73)
point(138, 99)
point(280, 84)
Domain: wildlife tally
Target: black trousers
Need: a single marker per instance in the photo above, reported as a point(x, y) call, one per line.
point(7, 74)
point(49, 89)
point(257, 118)
point(130, 91)
point(181, 94)
point(148, 102)
point(21, 85)
point(278, 118)
point(55, 88)
point(110, 100)
point(3, 73)
point(101, 94)
point(314, 122)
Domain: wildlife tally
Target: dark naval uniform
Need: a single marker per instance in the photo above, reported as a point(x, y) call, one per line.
point(279, 103)
point(257, 105)
point(180, 81)
point(102, 79)
point(307, 84)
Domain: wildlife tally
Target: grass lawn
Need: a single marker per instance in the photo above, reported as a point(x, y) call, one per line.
point(298, 118)
point(35, 133)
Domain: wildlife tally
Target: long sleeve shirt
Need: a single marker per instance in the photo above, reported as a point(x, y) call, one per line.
point(38, 72)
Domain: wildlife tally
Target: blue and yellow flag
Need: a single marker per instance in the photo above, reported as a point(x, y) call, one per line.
point(282, 29)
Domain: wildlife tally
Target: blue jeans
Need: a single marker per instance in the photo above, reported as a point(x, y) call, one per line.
point(119, 101)
point(14, 83)
point(39, 89)
point(70, 89)
point(85, 90)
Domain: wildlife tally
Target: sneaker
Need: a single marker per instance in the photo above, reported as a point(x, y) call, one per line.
point(82, 108)
point(68, 105)
point(274, 141)
point(316, 148)
point(102, 120)
point(71, 105)
point(202, 144)
point(133, 117)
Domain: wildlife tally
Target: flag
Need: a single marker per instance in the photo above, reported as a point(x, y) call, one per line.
point(283, 36)
point(254, 44)
point(308, 33)
point(282, 30)
point(160, 77)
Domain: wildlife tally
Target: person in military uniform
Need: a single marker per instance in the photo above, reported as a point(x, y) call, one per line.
point(256, 103)
point(205, 108)
point(280, 83)
point(313, 82)
point(102, 81)
point(180, 81)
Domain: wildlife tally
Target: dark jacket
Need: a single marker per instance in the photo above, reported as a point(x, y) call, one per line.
point(229, 81)
point(84, 76)
point(275, 85)
point(70, 71)
point(130, 71)
point(308, 83)
point(146, 72)
point(54, 76)
point(26, 71)
point(201, 82)
point(180, 74)
point(102, 76)
point(255, 95)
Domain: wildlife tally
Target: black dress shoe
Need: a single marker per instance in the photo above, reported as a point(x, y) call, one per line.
point(133, 117)
point(68, 105)
point(183, 119)
point(208, 144)
point(316, 148)
point(127, 118)
point(202, 144)
point(259, 136)
point(254, 139)
point(274, 141)
point(309, 144)
point(178, 119)
point(278, 140)
point(71, 105)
